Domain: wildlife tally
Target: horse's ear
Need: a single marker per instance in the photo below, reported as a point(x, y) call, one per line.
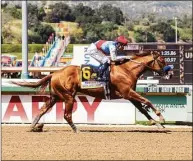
point(155, 54)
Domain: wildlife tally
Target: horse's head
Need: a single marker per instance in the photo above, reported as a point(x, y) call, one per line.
point(159, 65)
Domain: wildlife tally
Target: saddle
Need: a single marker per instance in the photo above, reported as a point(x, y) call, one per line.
point(89, 78)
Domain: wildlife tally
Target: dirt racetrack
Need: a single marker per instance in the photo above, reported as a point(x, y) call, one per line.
point(96, 143)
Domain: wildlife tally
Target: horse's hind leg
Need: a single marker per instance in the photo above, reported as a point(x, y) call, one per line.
point(69, 102)
point(47, 105)
point(138, 105)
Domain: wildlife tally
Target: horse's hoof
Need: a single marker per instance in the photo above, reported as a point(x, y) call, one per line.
point(152, 122)
point(40, 126)
point(34, 130)
point(37, 129)
point(76, 131)
point(160, 126)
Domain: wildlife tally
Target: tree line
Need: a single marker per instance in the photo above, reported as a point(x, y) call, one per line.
point(104, 22)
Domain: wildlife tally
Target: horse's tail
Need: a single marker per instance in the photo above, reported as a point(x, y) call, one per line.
point(43, 83)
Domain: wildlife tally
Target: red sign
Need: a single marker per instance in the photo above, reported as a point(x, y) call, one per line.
point(15, 107)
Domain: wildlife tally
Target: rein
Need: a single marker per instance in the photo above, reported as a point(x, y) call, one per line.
point(141, 63)
point(153, 61)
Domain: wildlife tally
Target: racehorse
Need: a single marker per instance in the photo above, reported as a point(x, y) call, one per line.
point(65, 83)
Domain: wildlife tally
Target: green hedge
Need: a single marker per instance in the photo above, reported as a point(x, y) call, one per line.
point(69, 48)
point(11, 48)
point(17, 48)
point(32, 48)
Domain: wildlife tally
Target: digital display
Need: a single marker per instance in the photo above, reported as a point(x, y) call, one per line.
point(188, 67)
point(171, 57)
point(178, 55)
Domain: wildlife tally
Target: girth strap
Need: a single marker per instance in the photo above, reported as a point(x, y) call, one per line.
point(107, 91)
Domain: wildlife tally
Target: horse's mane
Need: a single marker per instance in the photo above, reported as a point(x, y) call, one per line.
point(140, 54)
point(122, 62)
point(137, 55)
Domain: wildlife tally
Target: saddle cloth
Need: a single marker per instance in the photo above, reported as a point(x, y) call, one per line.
point(89, 78)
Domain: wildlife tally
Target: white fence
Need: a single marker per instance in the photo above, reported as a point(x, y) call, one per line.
point(18, 108)
point(22, 108)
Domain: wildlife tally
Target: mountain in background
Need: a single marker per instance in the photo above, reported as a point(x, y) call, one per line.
point(132, 9)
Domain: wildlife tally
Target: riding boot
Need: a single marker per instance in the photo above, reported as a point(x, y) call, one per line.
point(102, 69)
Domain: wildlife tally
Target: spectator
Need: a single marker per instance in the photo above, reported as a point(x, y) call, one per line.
point(36, 59)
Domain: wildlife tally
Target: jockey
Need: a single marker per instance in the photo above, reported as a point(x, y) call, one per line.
point(102, 48)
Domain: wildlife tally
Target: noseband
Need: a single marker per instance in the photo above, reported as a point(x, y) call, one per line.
point(155, 57)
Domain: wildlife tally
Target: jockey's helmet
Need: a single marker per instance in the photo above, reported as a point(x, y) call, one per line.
point(122, 40)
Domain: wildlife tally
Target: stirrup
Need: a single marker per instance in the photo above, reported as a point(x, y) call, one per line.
point(102, 79)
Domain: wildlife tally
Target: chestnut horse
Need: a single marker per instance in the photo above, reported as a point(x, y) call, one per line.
point(65, 83)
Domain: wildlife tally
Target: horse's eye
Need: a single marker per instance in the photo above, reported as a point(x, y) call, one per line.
point(162, 59)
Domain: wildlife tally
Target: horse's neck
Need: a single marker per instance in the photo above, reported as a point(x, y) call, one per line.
point(135, 67)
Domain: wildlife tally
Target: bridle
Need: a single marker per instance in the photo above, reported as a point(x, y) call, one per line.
point(155, 59)
point(161, 65)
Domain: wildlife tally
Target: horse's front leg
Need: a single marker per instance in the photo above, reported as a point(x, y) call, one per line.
point(132, 95)
point(139, 106)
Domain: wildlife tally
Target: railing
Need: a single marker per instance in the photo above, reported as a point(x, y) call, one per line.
point(146, 87)
point(30, 69)
point(7, 81)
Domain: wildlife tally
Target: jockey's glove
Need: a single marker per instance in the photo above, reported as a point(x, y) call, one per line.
point(168, 68)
